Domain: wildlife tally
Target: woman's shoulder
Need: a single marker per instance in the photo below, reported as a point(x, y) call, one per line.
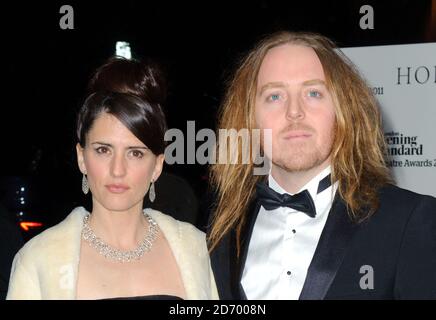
point(65, 231)
point(170, 225)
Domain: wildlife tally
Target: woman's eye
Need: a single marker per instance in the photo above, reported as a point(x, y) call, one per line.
point(102, 150)
point(137, 153)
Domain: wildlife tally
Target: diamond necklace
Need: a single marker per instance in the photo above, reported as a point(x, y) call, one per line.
point(121, 256)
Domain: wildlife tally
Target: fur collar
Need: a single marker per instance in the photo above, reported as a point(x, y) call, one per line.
point(47, 266)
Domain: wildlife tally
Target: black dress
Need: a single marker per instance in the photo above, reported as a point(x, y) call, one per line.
point(150, 297)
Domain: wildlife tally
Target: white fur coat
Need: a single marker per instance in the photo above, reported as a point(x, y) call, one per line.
point(46, 267)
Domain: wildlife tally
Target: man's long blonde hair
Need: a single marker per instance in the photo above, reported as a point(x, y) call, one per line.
point(358, 152)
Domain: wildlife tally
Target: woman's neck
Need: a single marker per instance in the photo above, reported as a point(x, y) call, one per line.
point(120, 229)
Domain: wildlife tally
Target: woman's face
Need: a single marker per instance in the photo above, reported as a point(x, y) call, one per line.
point(119, 167)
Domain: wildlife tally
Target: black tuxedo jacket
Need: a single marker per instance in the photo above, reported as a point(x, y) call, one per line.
point(398, 242)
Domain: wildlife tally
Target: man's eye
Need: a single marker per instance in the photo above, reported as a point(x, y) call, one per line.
point(274, 97)
point(314, 94)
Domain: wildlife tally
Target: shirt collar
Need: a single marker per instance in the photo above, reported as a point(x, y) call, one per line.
point(311, 186)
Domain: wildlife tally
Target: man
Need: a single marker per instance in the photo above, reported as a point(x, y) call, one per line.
point(325, 223)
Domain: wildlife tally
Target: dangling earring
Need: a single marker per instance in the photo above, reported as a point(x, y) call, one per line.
point(85, 186)
point(152, 192)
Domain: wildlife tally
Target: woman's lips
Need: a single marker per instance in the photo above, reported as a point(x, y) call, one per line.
point(117, 188)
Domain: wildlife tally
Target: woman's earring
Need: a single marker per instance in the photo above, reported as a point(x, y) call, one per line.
point(85, 185)
point(152, 192)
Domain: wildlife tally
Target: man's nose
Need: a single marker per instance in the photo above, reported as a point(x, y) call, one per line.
point(294, 109)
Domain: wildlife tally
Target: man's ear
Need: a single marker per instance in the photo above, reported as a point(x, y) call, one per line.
point(80, 160)
point(158, 166)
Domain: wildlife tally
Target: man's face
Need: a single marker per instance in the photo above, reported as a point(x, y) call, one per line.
point(293, 101)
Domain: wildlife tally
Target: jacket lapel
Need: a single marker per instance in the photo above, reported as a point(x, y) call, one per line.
point(245, 242)
point(329, 253)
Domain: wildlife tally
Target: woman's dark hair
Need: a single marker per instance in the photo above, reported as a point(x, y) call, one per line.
point(146, 121)
point(143, 79)
point(133, 92)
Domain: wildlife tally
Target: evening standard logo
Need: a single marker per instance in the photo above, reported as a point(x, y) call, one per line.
point(408, 148)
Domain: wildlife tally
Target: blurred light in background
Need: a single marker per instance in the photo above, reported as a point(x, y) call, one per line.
point(122, 49)
point(26, 225)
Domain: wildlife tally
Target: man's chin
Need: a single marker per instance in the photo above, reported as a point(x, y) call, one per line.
point(299, 163)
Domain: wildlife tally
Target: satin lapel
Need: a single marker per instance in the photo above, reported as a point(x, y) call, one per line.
point(233, 261)
point(245, 241)
point(329, 253)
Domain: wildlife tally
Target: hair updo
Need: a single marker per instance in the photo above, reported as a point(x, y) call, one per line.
point(131, 91)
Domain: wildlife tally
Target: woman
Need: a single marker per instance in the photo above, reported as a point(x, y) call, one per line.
point(118, 250)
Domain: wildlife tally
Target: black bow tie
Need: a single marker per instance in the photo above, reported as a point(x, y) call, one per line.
point(302, 201)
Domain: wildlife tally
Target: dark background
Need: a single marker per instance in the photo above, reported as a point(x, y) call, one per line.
point(45, 69)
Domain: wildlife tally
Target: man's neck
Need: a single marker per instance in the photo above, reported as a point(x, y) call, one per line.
point(293, 181)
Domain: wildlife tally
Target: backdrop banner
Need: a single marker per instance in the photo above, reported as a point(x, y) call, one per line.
point(403, 78)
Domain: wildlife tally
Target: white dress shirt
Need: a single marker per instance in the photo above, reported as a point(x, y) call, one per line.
point(283, 243)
